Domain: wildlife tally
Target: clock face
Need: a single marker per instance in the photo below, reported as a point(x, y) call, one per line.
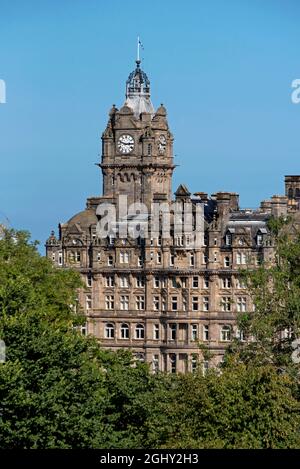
point(162, 142)
point(125, 144)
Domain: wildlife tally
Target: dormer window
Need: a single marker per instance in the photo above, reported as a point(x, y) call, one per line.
point(259, 239)
point(260, 236)
point(228, 239)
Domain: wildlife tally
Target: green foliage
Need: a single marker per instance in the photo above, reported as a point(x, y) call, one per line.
point(59, 389)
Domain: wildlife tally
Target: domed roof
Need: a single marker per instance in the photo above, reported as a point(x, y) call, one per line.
point(84, 219)
point(138, 92)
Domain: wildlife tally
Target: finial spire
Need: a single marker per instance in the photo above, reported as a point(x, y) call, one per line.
point(139, 45)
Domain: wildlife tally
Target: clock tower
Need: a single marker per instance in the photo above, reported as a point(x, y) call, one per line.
point(137, 147)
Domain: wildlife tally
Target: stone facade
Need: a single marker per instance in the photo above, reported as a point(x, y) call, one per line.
point(159, 296)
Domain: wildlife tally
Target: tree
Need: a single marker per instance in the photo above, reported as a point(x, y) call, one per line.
point(245, 406)
point(58, 389)
point(274, 324)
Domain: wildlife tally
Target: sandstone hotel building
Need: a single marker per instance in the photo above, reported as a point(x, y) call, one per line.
point(161, 297)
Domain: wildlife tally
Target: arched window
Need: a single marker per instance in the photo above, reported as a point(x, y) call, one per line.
point(173, 363)
point(225, 334)
point(124, 331)
point(290, 193)
point(109, 331)
point(139, 331)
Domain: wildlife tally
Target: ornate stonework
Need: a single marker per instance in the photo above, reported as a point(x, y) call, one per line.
point(160, 297)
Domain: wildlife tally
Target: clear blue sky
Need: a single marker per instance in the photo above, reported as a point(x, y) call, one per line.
point(223, 69)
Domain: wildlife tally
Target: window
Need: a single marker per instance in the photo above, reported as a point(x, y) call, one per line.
point(83, 329)
point(171, 259)
point(226, 303)
point(158, 257)
point(53, 256)
point(184, 304)
point(192, 260)
point(159, 241)
point(206, 282)
point(226, 282)
point(225, 334)
point(241, 258)
point(241, 304)
point(226, 261)
point(109, 331)
point(183, 282)
point(149, 149)
point(163, 305)
point(205, 367)
point(179, 240)
point(124, 281)
point(228, 239)
point(140, 261)
point(259, 259)
point(173, 331)
point(124, 302)
point(89, 280)
point(60, 258)
point(163, 282)
point(205, 303)
point(174, 303)
point(205, 331)
point(124, 331)
point(151, 256)
point(194, 363)
point(88, 302)
point(109, 302)
point(215, 241)
point(155, 331)
point(77, 256)
point(155, 363)
point(111, 240)
point(156, 282)
point(151, 242)
point(215, 256)
point(124, 257)
point(194, 332)
point(195, 303)
point(99, 256)
point(174, 282)
point(240, 335)
point(110, 281)
point(205, 240)
point(173, 364)
point(140, 281)
point(259, 240)
point(205, 259)
point(140, 302)
point(195, 282)
point(110, 260)
point(139, 331)
point(156, 303)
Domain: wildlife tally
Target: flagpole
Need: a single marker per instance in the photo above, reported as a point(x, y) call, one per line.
point(138, 49)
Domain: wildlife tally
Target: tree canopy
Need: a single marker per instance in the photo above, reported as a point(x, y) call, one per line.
point(59, 389)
